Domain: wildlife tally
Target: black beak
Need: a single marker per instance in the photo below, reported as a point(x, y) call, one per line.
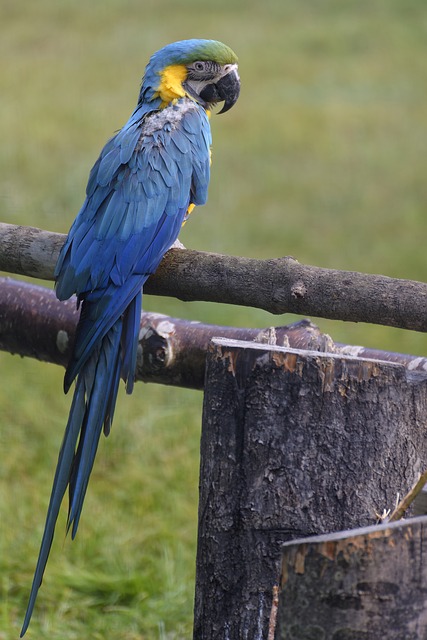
point(226, 90)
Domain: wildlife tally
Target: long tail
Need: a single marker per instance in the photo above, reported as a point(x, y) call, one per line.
point(91, 410)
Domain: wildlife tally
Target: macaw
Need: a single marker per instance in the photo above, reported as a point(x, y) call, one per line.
point(143, 186)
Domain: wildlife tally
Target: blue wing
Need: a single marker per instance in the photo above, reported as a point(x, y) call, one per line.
point(137, 196)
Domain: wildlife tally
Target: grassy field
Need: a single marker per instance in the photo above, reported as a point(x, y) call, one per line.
point(323, 158)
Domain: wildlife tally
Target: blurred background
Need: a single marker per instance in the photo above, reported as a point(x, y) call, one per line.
point(323, 158)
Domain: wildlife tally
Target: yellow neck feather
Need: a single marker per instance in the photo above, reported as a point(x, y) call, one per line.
point(170, 86)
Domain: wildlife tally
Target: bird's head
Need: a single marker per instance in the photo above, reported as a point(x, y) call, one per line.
point(204, 70)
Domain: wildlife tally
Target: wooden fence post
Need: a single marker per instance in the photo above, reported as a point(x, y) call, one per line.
point(294, 443)
point(367, 583)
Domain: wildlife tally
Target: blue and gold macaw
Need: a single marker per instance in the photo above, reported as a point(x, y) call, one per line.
point(141, 189)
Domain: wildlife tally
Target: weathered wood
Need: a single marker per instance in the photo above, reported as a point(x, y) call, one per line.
point(33, 322)
point(362, 584)
point(293, 444)
point(29, 251)
point(280, 285)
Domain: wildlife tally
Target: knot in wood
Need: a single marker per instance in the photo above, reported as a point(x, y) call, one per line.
point(298, 290)
point(155, 351)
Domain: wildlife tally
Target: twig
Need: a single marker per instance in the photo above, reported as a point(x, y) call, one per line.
point(273, 613)
point(406, 502)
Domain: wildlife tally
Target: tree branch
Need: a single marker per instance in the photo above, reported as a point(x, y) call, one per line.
point(33, 322)
point(28, 251)
point(280, 285)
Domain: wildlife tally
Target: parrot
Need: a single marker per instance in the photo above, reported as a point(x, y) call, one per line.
point(140, 191)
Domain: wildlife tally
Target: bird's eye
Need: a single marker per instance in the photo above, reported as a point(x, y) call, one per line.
point(199, 66)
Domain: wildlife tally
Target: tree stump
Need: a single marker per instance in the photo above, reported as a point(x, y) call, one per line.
point(363, 584)
point(294, 443)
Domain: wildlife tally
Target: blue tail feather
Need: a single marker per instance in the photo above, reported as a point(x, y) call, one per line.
point(60, 483)
point(111, 403)
point(99, 312)
point(98, 400)
point(130, 335)
point(92, 408)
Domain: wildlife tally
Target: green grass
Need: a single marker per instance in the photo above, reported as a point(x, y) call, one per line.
point(323, 158)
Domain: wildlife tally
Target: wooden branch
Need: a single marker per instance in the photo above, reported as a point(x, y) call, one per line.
point(28, 251)
point(33, 322)
point(280, 285)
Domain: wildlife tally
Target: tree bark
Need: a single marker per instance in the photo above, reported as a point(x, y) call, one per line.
point(293, 444)
point(366, 583)
point(280, 285)
point(28, 251)
point(34, 323)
